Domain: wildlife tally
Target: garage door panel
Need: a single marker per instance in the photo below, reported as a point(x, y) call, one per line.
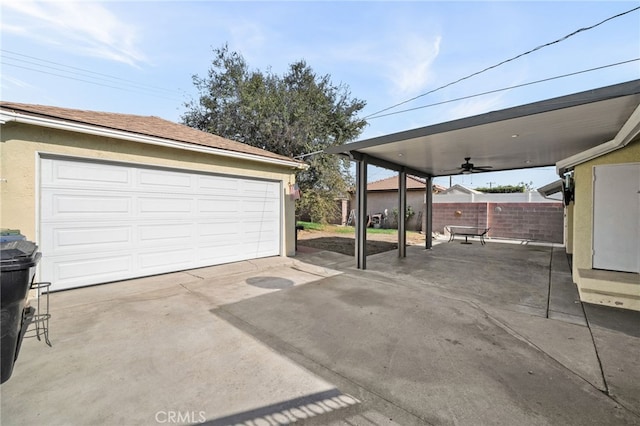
point(164, 233)
point(256, 226)
point(162, 221)
point(87, 238)
point(164, 180)
point(166, 260)
point(76, 270)
point(259, 208)
point(164, 206)
point(260, 189)
point(261, 245)
point(217, 230)
point(218, 185)
point(219, 206)
point(64, 206)
point(229, 252)
point(76, 174)
point(80, 238)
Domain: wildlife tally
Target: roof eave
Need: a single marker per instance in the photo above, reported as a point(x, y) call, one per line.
point(548, 105)
point(6, 116)
point(628, 132)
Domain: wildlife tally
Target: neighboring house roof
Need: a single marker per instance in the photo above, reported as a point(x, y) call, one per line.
point(460, 189)
point(438, 189)
point(391, 184)
point(145, 126)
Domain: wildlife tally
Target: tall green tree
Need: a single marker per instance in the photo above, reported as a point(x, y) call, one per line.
point(293, 114)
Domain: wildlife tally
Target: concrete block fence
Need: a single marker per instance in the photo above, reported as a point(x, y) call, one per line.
point(526, 220)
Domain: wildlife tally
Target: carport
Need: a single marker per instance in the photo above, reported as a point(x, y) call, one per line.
point(562, 131)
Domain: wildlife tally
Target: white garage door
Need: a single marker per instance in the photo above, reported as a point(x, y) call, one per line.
point(102, 222)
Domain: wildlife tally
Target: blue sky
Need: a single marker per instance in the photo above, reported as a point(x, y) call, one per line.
point(138, 57)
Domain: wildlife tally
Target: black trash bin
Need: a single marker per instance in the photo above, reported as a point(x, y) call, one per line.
point(18, 260)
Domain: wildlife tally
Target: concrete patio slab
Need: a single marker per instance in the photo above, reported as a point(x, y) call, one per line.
point(616, 334)
point(149, 351)
point(441, 360)
point(461, 334)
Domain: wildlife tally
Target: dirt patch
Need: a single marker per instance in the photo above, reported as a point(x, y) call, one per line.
point(345, 243)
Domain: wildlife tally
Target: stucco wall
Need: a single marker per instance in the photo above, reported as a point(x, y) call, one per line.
point(583, 220)
point(378, 201)
point(569, 228)
point(21, 146)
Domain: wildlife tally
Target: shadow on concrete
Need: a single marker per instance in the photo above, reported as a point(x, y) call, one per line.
point(291, 411)
point(346, 245)
point(270, 283)
point(621, 320)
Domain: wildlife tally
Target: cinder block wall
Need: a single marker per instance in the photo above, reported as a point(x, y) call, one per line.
point(532, 221)
point(460, 214)
point(527, 221)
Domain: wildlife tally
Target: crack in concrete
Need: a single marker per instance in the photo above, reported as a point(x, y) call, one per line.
point(606, 390)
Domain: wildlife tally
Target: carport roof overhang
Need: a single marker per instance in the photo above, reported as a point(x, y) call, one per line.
point(566, 129)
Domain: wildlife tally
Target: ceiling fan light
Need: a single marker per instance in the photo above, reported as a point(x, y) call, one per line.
point(466, 172)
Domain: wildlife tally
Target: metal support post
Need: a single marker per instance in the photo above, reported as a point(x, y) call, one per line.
point(361, 214)
point(428, 229)
point(402, 214)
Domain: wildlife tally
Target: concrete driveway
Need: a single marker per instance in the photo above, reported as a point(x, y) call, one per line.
point(455, 335)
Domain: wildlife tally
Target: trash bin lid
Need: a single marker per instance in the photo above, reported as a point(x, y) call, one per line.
point(19, 254)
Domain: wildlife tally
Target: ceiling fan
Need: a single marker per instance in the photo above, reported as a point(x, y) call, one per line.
point(468, 168)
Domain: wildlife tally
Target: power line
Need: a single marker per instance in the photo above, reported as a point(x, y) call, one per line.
point(488, 93)
point(91, 82)
point(503, 62)
point(131, 85)
point(82, 71)
point(503, 89)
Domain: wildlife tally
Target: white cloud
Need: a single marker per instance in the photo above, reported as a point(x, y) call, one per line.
point(410, 64)
point(8, 81)
point(247, 36)
point(82, 27)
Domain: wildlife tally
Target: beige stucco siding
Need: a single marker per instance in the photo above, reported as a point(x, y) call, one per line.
point(601, 290)
point(378, 201)
point(21, 147)
point(569, 228)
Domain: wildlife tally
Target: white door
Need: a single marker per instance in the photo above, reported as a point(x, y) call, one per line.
point(616, 217)
point(102, 222)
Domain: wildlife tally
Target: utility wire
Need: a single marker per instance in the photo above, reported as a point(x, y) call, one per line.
point(107, 80)
point(487, 93)
point(503, 89)
point(91, 82)
point(503, 62)
point(81, 71)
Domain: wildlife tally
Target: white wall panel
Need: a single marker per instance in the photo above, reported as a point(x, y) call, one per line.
point(616, 217)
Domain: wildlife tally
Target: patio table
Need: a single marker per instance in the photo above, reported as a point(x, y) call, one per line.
point(467, 231)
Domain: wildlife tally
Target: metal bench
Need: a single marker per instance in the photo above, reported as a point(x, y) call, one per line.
point(467, 231)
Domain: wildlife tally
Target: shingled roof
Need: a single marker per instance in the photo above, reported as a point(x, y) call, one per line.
point(140, 125)
point(391, 184)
